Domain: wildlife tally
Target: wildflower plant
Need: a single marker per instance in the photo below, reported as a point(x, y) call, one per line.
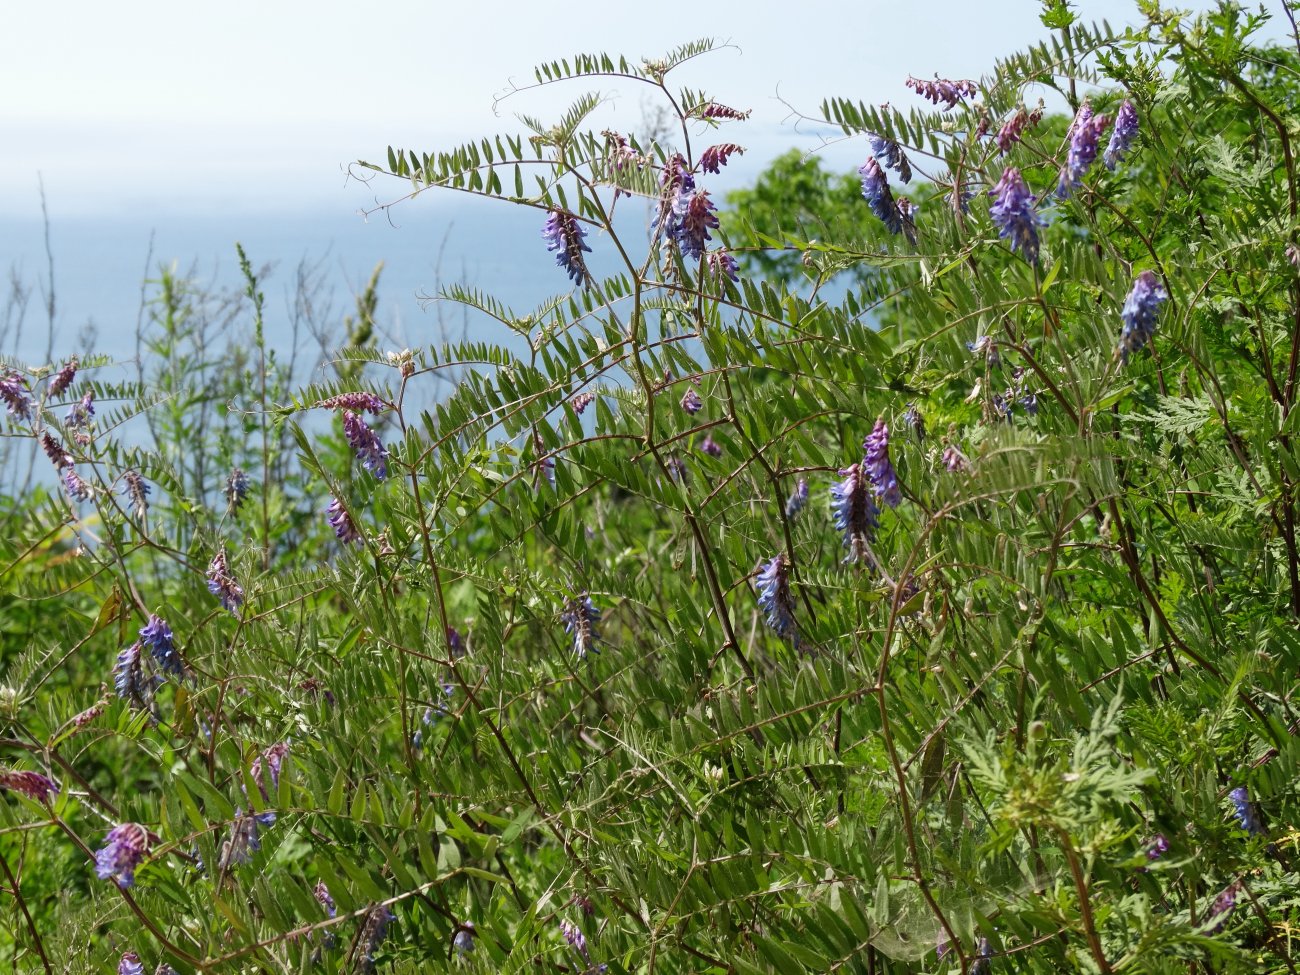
point(1003, 713)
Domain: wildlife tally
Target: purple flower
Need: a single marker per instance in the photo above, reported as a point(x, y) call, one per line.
point(463, 940)
point(581, 619)
point(576, 939)
point(774, 596)
point(545, 465)
point(1140, 311)
point(890, 153)
point(59, 457)
point(1084, 136)
point(365, 444)
point(875, 188)
point(157, 636)
point(983, 956)
point(129, 679)
point(941, 90)
point(357, 402)
point(913, 418)
point(714, 158)
point(374, 932)
point(455, 643)
point(222, 584)
point(243, 842)
point(954, 459)
point(64, 377)
point(1122, 136)
point(270, 761)
point(16, 395)
point(721, 264)
point(124, 847)
point(855, 513)
point(130, 965)
point(1223, 906)
point(1158, 847)
point(564, 234)
point(798, 498)
point(1014, 128)
point(694, 216)
point(322, 894)
point(677, 470)
point(1013, 214)
point(691, 401)
point(236, 490)
point(1246, 811)
point(880, 471)
point(344, 527)
point(714, 110)
point(136, 491)
point(79, 414)
point(710, 446)
point(582, 401)
point(77, 488)
point(33, 785)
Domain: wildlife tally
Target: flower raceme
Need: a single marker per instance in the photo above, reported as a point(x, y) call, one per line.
point(222, 584)
point(581, 620)
point(344, 527)
point(774, 598)
point(565, 236)
point(1122, 135)
point(879, 468)
point(124, 847)
point(34, 785)
point(854, 513)
point(940, 90)
point(1013, 214)
point(1085, 134)
point(1140, 311)
point(875, 188)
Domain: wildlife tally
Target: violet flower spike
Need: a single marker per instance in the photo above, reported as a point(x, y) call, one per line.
point(714, 158)
point(16, 395)
point(157, 636)
point(716, 111)
point(322, 895)
point(1013, 214)
point(694, 217)
point(129, 680)
point(798, 498)
point(875, 189)
point(1140, 311)
point(130, 964)
point(34, 785)
point(879, 468)
point(722, 265)
point(339, 519)
point(374, 932)
point(1122, 136)
point(1246, 811)
point(63, 379)
point(222, 584)
point(77, 488)
point(136, 491)
point(942, 90)
point(1084, 136)
point(565, 235)
point(915, 421)
point(357, 402)
point(691, 402)
point(80, 414)
point(463, 940)
point(581, 621)
point(954, 460)
point(124, 847)
point(581, 401)
point(854, 513)
point(774, 598)
point(710, 446)
point(576, 939)
point(890, 154)
point(236, 490)
point(59, 457)
point(365, 444)
point(1158, 847)
point(243, 842)
point(271, 761)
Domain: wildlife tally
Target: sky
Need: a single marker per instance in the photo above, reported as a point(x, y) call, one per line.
point(258, 106)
